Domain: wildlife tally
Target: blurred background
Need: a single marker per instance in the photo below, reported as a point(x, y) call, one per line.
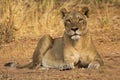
point(24, 18)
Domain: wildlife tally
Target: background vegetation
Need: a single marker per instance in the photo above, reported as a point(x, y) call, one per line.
point(23, 18)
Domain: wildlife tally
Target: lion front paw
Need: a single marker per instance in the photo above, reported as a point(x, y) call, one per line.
point(93, 66)
point(63, 67)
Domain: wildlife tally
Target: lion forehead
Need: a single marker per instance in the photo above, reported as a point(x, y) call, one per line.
point(75, 14)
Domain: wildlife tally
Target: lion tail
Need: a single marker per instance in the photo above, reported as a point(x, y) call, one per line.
point(12, 64)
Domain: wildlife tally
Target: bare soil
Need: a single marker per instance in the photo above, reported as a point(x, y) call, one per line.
point(106, 40)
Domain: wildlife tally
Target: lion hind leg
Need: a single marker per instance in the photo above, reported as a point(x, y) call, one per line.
point(43, 46)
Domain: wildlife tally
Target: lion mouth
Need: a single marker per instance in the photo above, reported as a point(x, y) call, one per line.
point(75, 36)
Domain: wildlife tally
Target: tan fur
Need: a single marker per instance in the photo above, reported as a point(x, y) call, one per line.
point(74, 49)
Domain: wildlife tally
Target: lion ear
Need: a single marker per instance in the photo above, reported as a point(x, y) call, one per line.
point(63, 12)
point(85, 11)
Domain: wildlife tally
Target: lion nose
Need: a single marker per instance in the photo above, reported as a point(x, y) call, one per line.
point(74, 28)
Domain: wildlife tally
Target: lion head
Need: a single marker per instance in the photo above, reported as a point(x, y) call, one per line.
point(75, 22)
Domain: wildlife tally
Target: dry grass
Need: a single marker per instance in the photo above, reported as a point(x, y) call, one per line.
point(22, 18)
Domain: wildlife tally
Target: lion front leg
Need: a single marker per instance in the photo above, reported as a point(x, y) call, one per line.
point(68, 63)
point(93, 65)
point(64, 66)
point(96, 63)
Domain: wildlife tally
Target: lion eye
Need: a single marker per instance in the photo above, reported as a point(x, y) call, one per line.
point(80, 20)
point(68, 20)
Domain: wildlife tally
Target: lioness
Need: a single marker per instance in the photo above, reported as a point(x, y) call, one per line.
point(74, 49)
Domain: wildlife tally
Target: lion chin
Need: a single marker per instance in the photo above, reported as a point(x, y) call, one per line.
point(75, 37)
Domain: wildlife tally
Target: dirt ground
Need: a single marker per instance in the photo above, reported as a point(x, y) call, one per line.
point(106, 40)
